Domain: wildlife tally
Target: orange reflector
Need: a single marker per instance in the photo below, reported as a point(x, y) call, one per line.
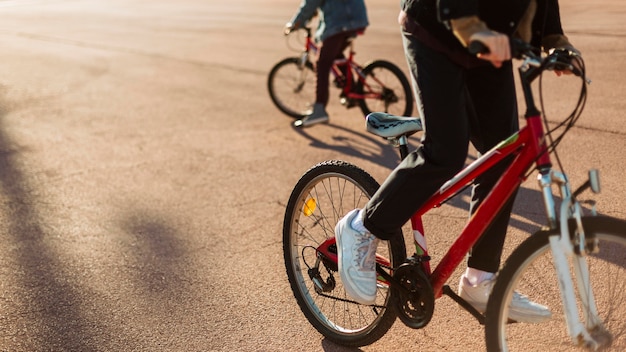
point(309, 207)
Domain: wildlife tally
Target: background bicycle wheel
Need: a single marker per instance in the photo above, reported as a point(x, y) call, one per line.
point(144, 173)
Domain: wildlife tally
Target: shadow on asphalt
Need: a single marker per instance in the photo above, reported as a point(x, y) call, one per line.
point(159, 253)
point(48, 298)
point(388, 156)
point(46, 293)
point(328, 346)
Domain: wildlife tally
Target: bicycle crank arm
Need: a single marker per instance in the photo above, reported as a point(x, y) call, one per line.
point(392, 282)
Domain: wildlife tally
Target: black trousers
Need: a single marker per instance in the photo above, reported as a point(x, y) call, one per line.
point(457, 105)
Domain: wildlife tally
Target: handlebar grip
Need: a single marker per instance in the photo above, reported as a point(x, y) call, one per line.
point(518, 48)
point(476, 47)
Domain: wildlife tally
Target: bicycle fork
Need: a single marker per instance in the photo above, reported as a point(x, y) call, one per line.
point(575, 245)
point(304, 59)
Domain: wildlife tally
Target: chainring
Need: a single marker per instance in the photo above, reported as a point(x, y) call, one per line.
point(416, 303)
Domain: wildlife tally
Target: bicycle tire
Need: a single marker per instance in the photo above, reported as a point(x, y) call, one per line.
point(529, 270)
point(292, 86)
point(395, 91)
point(337, 187)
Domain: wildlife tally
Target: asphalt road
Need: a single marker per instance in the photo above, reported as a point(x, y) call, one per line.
point(144, 172)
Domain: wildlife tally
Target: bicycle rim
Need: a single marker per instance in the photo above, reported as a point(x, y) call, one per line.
point(386, 89)
point(292, 87)
point(322, 197)
point(530, 271)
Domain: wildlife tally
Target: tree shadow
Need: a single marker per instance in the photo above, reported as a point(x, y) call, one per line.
point(158, 253)
point(46, 298)
point(47, 304)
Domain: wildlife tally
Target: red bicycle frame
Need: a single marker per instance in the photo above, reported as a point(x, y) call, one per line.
point(527, 146)
point(351, 66)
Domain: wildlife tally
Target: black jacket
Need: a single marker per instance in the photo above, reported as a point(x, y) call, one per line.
point(499, 15)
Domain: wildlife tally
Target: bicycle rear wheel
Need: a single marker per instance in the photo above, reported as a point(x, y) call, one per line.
point(530, 271)
point(291, 86)
point(388, 90)
point(322, 196)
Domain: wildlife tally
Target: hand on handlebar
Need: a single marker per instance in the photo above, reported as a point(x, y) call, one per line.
point(565, 61)
point(497, 44)
point(289, 27)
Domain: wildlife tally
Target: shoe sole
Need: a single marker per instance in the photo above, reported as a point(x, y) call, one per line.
point(301, 123)
point(518, 317)
point(531, 319)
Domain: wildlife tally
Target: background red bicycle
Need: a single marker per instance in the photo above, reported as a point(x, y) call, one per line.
point(378, 86)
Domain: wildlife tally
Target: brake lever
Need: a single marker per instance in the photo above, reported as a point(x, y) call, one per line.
point(561, 60)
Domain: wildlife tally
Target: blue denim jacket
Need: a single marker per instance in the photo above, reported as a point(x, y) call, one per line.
point(336, 16)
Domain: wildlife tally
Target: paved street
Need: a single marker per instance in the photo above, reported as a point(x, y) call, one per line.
point(144, 172)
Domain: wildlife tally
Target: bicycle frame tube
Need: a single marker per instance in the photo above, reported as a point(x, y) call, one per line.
point(335, 71)
point(309, 45)
point(354, 70)
point(351, 67)
point(527, 146)
point(367, 90)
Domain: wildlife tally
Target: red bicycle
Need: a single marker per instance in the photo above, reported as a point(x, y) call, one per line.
point(379, 86)
point(575, 265)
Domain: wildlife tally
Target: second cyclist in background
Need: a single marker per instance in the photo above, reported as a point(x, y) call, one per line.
point(339, 22)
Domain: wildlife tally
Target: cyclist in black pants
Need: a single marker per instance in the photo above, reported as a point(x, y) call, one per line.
point(340, 21)
point(460, 98)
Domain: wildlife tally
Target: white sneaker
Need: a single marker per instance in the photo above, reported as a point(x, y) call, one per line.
point(317, 115)
point(357, 260)
point(521, 309)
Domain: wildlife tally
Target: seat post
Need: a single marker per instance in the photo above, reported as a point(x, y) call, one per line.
point(403, 146)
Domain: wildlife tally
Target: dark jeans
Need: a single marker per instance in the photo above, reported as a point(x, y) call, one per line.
point(332, 48)
point(457, 105)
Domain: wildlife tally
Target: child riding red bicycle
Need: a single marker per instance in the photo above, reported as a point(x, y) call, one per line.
point(340, 21)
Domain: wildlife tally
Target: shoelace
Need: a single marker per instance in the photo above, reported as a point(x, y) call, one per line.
point(365, 252)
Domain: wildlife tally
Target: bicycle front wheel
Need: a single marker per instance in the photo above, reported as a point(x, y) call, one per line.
point(530, 271)
point(386, 89)
point(291, 86)
point(322, 196)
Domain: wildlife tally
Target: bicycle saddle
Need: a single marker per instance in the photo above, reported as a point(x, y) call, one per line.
point(392, 126)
